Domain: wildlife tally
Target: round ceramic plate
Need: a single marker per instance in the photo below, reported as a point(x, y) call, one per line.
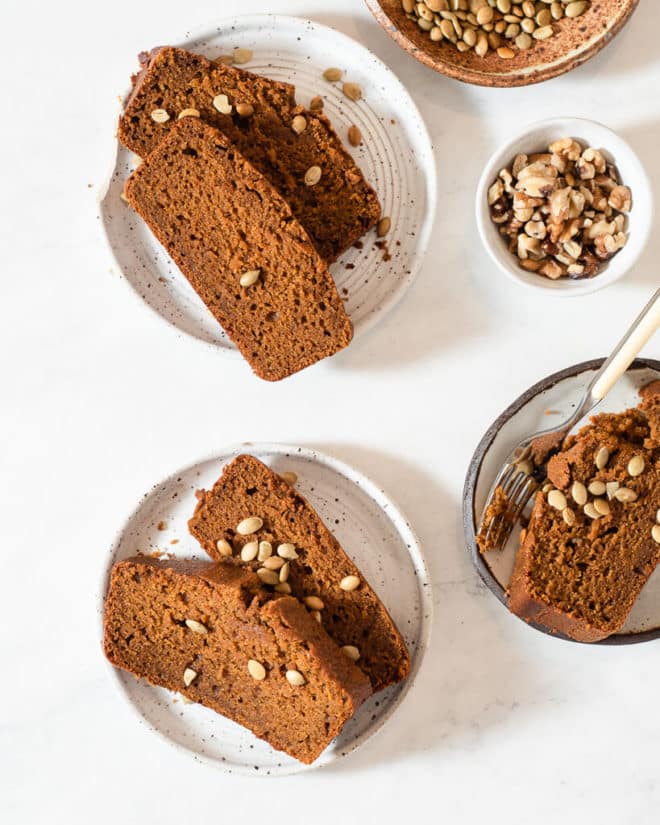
point(374, 534)
point(545, 404)
point(574, 42)
point(395, 156)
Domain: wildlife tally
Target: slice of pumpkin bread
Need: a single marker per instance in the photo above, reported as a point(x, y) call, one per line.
point(244, 253)
point(289, 547)
point(210, 632)
point(594, 539)
point(257, 114)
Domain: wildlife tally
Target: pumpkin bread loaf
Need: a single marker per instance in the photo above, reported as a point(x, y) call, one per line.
point(212, 633)
point(257, 115)
point(245, 254)
point(289, 547)
point(593, 540)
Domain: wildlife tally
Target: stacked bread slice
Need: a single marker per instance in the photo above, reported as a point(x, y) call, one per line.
point(281, 632)
point(210, 632)
point(252, 196)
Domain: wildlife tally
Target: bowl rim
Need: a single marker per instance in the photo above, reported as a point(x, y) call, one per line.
point(470, 485)
point(468, 75)
point(631, 253)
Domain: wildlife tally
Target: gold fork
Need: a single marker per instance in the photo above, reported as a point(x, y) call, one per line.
point(520, 475)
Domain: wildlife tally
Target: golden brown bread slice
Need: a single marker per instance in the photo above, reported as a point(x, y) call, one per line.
point(210, 632)
point(319, 568)
point(221, 220)
point(336, 211)
point(579, 573)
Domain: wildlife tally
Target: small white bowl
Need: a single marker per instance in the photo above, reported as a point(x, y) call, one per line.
point(536, 138)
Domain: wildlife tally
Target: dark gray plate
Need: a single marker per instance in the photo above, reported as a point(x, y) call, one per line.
point(541, 406)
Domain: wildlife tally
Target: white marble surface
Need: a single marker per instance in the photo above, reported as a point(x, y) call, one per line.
point(100, 400)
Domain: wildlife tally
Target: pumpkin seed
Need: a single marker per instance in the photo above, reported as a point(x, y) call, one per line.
point(160, 116)
point(557, 499)
point(332, 75)
point(602, 457)
point(222, 104)
point(242, 56)
point(384, 225)
point(602, 506)
point(196, 627)
point(249, 551)
point(224, 547)
point(295, 678)
point(351, 651)
point(636, 466)
point(625, 495)
point(313, 602)
point(249, 279)
point(349, 583)
point(569, 516)
point(611, 487)
point(579, 493)
point(590, 510)
point(287, 551)
point(313, 175)
point(268, 576)
point(354, 135)
point(352, 91)
point(265, 550)
point(252, 523)
point(256, 670)
point(576, 8)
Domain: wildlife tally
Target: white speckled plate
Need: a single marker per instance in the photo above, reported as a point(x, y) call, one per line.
point(396, 157)
point(372, 531)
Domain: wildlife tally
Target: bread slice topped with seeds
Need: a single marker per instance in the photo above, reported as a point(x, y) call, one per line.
point(593, 539)
point(295, 149)
point(252, 517)
point(244, 253)
point(212, 633)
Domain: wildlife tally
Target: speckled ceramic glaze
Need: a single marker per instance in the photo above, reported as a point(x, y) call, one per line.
point(575, 41)
point(544, 405)
point(395, 156)
point(374, 534)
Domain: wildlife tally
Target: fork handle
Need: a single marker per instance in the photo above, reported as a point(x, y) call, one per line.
point(644, 326)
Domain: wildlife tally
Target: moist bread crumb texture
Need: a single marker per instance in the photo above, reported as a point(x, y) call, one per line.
point(212, 633)
point(321, 575)
point(244, 253)
point(336, 211)
point(581, 579)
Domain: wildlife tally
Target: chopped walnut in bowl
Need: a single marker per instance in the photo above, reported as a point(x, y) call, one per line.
point(563, 202)
point(563, 211)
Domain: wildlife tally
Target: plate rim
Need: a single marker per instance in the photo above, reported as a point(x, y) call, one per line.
point(472, 478)
point(423, 237)
point(393, 513)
